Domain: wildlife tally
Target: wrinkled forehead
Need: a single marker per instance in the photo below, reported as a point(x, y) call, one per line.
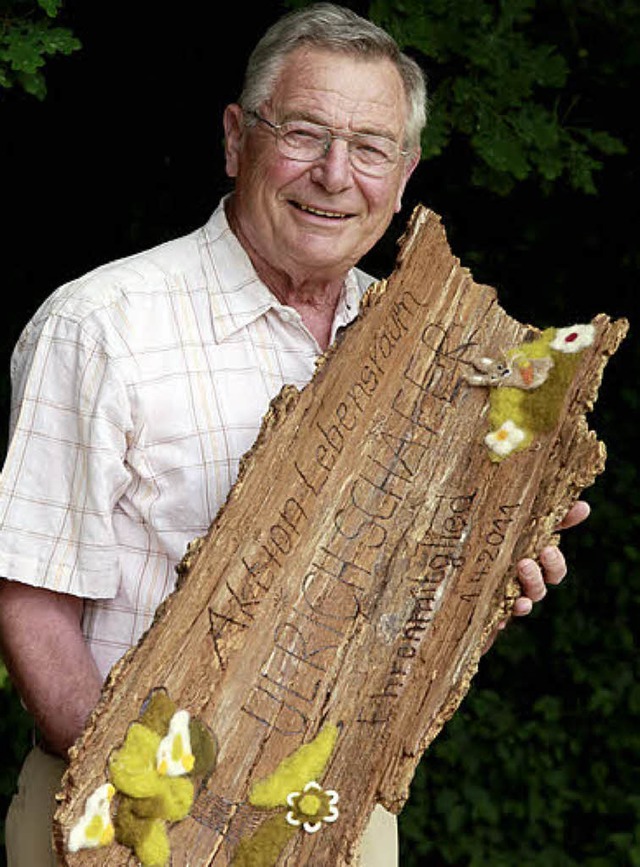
point(342, 91)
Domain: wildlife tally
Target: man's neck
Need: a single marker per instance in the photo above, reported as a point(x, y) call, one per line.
point(315, 300)
point(314, 297)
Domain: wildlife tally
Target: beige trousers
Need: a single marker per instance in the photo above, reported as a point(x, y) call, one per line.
point(28, 825)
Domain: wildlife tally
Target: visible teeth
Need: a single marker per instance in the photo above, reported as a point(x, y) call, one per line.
point(320, 213)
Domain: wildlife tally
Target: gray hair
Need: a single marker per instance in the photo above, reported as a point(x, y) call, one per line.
point(326, 26)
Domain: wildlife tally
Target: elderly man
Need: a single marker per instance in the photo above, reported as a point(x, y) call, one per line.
point(138, 388)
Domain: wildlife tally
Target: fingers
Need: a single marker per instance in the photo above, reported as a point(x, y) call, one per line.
point(554, 566)
point(551, 569)
point(532, 586)
point(534, 578)
point(578, 513)
point(522, 606)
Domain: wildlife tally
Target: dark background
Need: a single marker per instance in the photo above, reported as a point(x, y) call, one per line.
point(540, 766)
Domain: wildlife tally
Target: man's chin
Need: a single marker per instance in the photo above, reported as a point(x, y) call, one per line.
point(324, 263)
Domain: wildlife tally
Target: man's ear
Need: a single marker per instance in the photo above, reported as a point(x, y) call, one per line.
point(233, 122)
point(409, 166)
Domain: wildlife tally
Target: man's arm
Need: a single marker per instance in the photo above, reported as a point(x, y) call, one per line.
point(46, 655)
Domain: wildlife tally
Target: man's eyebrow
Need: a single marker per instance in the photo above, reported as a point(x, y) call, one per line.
point(312, 118)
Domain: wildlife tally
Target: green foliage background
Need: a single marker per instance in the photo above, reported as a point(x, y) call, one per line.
point(530, 158)
point(28, 37)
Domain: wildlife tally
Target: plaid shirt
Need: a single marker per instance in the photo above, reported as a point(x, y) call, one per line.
point(136, 390)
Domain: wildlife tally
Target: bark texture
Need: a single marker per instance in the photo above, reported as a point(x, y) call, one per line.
point(359, 565)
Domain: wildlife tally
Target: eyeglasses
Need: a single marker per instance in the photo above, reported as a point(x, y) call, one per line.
point(301, 140)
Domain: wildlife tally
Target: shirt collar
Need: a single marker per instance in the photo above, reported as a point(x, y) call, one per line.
point(348, 303)
point(241, 297)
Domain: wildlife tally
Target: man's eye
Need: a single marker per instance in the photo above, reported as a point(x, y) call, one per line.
point(301, 136)
point(372, 151)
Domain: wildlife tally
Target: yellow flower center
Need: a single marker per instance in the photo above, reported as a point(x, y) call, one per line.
point(177, 748)
point(502, 434)
point(94, 828)
point(309, 804)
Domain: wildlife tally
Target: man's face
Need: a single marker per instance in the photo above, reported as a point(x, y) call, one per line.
point(317, 219)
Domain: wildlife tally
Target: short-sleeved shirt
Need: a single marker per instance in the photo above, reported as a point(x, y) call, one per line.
point(136, 391)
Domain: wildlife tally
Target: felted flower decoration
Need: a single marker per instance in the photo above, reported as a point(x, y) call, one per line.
point(95, 827)
point(306, 763)
point(148, 799)
point(573, 338)
point(528, 386)
point(505, 439)
point(174, 757)
point(312, 806)
point(302, 804)
point(153, 772)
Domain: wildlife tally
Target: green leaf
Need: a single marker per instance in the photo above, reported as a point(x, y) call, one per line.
point(502, 149)
point(51, 7)
point(24, 53)
point(59, 40)
point(603, 141)
point(26, 42)
point(33, 83)
point(438, 130)
point(582, 167)
point(498, 84)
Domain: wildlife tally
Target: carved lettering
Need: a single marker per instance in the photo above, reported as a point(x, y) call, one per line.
point(274, 712)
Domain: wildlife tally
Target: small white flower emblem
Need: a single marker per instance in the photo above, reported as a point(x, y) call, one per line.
point(94, 828)
point(312, 806)
point(504, 440)
point(574, 338)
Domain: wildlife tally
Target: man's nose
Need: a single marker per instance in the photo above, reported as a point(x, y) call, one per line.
point(334, 170)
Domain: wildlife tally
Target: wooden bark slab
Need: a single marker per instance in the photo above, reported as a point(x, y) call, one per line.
point(357, 568)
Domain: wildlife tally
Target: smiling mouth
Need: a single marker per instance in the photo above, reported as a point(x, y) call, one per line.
point(318, 212)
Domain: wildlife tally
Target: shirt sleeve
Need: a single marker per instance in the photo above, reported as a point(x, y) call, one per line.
point(66, 465)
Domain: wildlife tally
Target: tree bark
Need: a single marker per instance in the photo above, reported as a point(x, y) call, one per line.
point(361, 562)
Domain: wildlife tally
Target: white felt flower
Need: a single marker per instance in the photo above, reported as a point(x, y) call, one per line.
point(574, 338)
point(312, 806)
point(95, 827)
point(504, 440)
point(174, 756)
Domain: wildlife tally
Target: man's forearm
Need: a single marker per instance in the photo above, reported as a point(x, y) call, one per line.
point(45, 653)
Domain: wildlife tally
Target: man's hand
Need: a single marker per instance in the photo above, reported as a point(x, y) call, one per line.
point(552, 568)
